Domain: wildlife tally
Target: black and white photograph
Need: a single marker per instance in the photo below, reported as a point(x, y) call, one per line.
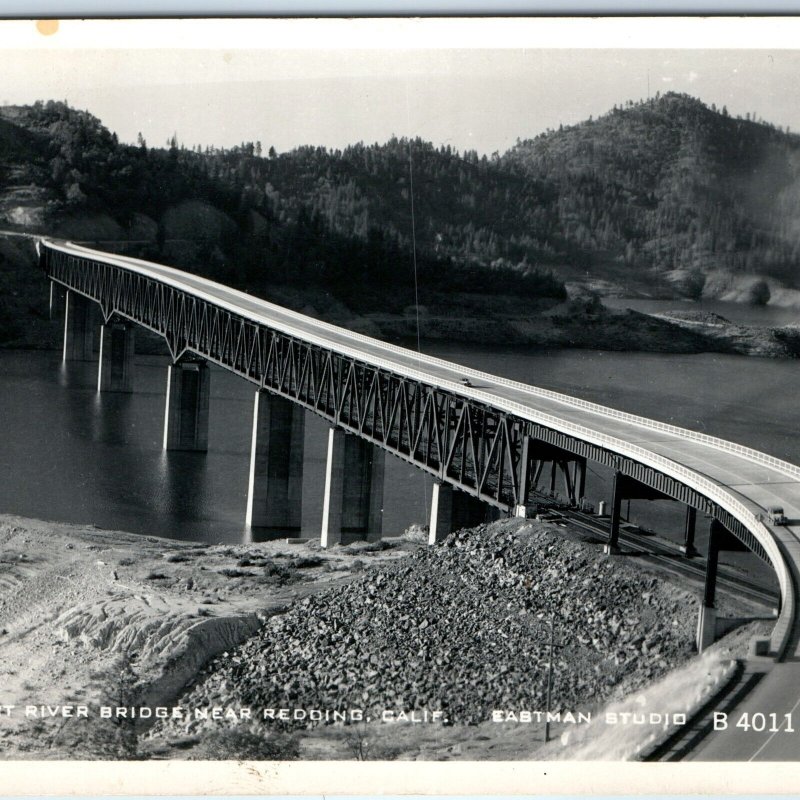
point(400, 390)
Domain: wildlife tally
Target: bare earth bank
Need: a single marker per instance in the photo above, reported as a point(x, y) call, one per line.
point(94, 617)
point(421, 648)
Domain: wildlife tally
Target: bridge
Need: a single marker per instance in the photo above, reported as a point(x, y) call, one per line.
point(486, 440)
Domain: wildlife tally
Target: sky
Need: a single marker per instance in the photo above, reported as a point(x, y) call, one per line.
point(474, 97)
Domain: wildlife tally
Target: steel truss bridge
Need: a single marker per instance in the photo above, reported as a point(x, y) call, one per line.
point(488, 438)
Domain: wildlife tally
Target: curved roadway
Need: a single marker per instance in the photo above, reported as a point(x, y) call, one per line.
point(743, 481)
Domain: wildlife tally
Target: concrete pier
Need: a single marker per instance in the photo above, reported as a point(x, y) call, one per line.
point(706, 628)
point(115, 361)
point(627, 488)
point(534, 455)
point(452, 510)
point(441, 521)
point(612, 546)
point(275, 486)
point(688, 548)
point(578, 481)
point(707, 620)
point(78, 328)
point(353, 501)
point(186, 413)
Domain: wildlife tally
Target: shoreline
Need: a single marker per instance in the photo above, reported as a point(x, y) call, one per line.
point(668, 333)
point(581, 322)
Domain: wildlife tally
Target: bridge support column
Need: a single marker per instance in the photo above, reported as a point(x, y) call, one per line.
point(452, 510)
point(275, 486)
point(115, 361)
point(707, 620)
point(525, 476)
point(688, 548)
point(78, 329)
point(612, 546)
point(579, 481)
point(627, 488)
point(534, 455)
point(441, 521)
point(186, 415)
point(353, 502)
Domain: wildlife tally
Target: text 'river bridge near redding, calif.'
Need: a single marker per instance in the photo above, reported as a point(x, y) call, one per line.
point(484, 439)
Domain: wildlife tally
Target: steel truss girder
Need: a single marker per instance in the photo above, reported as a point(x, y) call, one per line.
point(666, 484)
point(538, 453)
point(477, 448)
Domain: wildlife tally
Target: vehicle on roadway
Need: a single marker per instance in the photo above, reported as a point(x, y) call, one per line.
point(466, 381)
point(776, 516)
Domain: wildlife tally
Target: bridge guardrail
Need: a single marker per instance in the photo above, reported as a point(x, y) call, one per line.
point(722, 444)
point(714, 491)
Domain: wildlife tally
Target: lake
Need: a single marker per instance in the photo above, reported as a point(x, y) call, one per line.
point(71, 455)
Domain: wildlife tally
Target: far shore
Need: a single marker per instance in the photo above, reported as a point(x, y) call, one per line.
point(572, 325)
point(466, 318)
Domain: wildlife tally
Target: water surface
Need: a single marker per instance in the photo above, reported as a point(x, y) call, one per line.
point(71, 455)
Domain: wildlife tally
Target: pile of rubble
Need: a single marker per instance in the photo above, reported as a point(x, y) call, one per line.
point(465, 628)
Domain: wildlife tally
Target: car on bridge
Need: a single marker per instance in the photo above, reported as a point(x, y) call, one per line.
point(776, 516)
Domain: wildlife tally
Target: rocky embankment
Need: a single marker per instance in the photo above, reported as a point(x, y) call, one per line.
point(589, 325)
point(462, 628)
point(725, 336)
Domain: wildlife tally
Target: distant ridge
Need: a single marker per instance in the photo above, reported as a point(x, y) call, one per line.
point(666, 196)
point(673, 184)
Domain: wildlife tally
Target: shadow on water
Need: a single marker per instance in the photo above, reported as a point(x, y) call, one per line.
point(110, 418)
point(181, 493)
point(88, 458)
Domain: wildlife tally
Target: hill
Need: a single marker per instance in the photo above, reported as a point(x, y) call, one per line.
point(666, 188)
point(249, 233)
point(676, 189)
point(665, 197)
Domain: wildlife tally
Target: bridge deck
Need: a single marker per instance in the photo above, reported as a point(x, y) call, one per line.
point(744, 481)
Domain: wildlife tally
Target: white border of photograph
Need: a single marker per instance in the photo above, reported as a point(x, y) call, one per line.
point(483, 778)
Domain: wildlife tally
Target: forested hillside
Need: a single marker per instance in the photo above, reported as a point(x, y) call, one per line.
point(653, 196)
point(300, 219)
point(673, 184)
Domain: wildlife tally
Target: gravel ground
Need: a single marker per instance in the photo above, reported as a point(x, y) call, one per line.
point(90, 617)
point(462, 628)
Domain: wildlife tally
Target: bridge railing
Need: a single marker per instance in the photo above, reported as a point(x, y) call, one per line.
point(716, 492)
point(749, 453)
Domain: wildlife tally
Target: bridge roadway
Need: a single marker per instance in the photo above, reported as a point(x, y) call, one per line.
point(741, 480)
